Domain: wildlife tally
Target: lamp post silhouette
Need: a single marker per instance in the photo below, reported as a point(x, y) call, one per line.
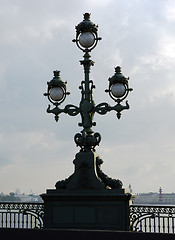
point(88, 174)
point(118, 89)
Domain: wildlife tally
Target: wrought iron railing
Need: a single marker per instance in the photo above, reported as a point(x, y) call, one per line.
point(144, 218)
point(152, 218)
point(21, 215)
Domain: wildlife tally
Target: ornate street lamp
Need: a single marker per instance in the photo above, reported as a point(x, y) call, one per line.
point(86, 40)
point(88, 199)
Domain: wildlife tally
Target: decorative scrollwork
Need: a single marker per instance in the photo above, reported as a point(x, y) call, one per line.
point(62, 183)
point(87, 105)
point(109, 182)
point(118, 108)
point(55, 111)
point(17, 215)
point(87, 142)
point(71, 110)
point(152, 218)
point(21, 206)
point(102, 108)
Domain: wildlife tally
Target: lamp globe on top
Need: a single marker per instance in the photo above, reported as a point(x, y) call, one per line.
point(86, 39)
point(86, 34)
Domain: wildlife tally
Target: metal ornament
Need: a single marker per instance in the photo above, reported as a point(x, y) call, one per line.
point(87, 139)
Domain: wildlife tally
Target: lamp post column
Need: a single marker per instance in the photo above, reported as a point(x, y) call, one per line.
point(87, 103)
point(87, 63)
point(85, 174)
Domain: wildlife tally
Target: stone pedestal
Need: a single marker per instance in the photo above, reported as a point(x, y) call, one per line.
point(106, 209)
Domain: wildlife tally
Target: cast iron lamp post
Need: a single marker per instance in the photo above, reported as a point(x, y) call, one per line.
point(88, 199)
point(88, 174)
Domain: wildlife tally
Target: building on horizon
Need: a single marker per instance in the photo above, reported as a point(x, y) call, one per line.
point(155, 198)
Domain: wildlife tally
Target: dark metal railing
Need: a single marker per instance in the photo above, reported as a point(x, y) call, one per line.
point(21, 215)
point(152, 218)
point(144, 218)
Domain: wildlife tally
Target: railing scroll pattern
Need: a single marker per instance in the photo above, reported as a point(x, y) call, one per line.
point(21, 215)
point(157, 219)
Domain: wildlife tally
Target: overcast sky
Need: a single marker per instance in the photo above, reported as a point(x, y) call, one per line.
point(36, 39)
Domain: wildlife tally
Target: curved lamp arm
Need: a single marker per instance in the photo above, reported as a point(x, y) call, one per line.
point(70, 109)
point(103, 108)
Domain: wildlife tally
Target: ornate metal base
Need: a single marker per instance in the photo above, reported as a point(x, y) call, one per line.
point(88, 199)
point(88, 174)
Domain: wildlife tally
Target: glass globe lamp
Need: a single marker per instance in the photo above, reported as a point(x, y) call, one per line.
point(56, 93)
point(86, 39)
point(118, 90)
